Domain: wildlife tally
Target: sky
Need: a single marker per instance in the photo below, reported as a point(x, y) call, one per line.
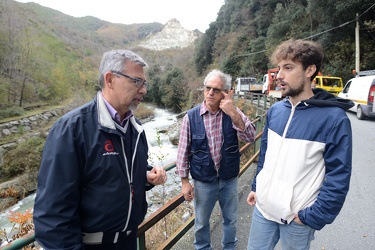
point(192, 14)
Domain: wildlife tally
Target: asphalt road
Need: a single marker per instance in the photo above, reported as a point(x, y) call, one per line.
point(354, 228)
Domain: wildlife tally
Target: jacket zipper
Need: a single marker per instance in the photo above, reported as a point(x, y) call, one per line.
point(130, 177)
point(283, 137)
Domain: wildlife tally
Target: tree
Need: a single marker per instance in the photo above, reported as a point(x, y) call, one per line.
point(25, 64)
point(203, 52)
point(153, 92)
point(174, 90)
point(10, 50)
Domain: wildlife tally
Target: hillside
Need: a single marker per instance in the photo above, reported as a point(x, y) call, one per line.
point(85, 32)
point(246, 32)
point(48, 56)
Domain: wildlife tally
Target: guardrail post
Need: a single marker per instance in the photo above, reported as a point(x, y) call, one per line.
point(259, 127)
point(264, 97)
point(142, 242)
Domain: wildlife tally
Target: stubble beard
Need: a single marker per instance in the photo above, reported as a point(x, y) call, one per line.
point(292, 92)
point(133, 106)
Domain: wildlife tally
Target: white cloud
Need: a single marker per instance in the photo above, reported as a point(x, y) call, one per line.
point(192, 14)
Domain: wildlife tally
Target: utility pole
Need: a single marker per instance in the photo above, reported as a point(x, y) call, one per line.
point(357, 59)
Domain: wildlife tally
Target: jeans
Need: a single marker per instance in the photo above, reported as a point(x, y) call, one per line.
point(205, 197)
point(264, 234)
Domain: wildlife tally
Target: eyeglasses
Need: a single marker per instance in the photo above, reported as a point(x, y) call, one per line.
point(216, 91)
point(139, 83)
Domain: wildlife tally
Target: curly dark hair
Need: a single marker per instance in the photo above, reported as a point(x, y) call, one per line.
point(306, 52)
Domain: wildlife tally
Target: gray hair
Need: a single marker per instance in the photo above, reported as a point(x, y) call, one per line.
point(225, 78)
point(115, 60)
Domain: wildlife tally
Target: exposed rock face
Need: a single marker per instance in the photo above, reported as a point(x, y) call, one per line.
point(174, 130)
point(173, 35)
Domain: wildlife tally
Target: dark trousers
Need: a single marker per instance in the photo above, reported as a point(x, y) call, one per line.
point(127, 243)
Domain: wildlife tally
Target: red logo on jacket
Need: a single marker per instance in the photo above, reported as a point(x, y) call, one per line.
point(108, 146)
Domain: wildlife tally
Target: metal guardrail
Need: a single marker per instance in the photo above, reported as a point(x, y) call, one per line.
point(20, 243)
point(158, 215)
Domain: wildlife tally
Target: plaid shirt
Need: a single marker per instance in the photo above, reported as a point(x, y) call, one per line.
point(214, 133)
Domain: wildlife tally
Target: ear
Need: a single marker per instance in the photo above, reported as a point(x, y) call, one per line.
point(310, 70)
point(108, 79)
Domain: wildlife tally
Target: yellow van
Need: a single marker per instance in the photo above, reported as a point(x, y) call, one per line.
point(332, 84)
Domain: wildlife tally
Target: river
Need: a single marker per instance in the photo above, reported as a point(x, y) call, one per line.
point(162, 152)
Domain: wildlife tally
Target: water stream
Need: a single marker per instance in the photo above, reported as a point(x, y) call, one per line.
point(162, 152)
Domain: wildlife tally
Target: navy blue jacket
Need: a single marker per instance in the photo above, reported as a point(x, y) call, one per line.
point(84, 184)
point(305, 160)
point(201, 164)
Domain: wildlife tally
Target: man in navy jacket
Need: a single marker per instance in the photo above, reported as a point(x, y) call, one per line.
point(94, 171)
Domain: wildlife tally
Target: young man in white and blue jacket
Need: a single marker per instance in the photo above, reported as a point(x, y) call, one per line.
point(305, 160)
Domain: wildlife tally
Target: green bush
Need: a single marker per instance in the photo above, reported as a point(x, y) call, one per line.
point(11, 112)
point(24, 158)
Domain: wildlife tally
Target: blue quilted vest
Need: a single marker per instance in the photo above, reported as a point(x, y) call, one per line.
point(201, 164)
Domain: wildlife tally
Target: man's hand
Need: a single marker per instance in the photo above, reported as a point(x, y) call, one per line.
point(157, 176)
point(227, 106)
point(251, 198)
point(187, 189)
point(297, 220)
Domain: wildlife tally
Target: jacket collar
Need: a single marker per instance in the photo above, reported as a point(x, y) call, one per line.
point(105, 119)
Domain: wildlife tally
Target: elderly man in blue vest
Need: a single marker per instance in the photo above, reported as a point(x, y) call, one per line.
point(209, 150)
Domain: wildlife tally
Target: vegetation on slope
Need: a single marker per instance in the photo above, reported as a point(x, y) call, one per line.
point(247, 31)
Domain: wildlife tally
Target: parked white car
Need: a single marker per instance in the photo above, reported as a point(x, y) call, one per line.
point(361, 91)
